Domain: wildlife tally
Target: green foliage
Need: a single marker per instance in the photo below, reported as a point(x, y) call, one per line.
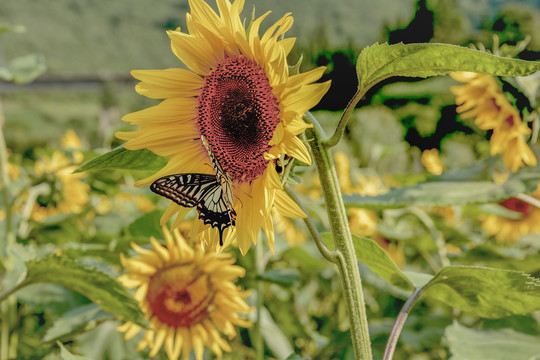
point(381, 61)
point(485, 292)
point(24, 69)
point(121, 158)
point(97, 286)
point(370, 253)
point(456, 192)
point(503, 344)
point(66, 355)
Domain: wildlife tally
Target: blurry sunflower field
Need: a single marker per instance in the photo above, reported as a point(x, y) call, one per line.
point(219, 220)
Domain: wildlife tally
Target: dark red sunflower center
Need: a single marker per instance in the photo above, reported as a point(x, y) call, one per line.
point(237, 114)
point(180, 296)
point(517, 205)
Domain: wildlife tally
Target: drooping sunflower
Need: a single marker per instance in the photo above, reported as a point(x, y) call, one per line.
point(482, 97)
point(508, 230)
point(188, 295)
point(237, 94)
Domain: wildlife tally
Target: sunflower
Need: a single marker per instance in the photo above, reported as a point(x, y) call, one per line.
point(482, 98)
point(188, 296)
point(238, 95)
point(431, 161)
point(73, 194)
point(508, 230)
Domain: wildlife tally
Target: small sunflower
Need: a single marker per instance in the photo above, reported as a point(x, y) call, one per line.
point(240, 97)
point(482, 98)
point(73, 193)
point(431, 161)
point(188, 295)
point(508, 230)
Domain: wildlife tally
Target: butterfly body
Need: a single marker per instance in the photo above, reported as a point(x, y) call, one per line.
point(211, 194)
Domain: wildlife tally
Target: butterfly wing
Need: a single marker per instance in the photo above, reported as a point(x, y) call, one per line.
point(215, 211)
point(203, 191)
point(186, 190)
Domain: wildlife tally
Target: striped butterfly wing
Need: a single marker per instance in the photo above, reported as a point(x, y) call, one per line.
point(201, 190)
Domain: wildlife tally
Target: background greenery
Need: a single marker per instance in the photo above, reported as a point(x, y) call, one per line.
point(89, 47)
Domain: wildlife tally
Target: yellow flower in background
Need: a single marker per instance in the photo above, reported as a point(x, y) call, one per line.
point(70, 140)
point(431, 161)
point(483, 99)
point(508, 230)
point(189, 297)
point(74, 193)
point(239, 95)
point(286, 228)
point(363, 222)
point(343, 170)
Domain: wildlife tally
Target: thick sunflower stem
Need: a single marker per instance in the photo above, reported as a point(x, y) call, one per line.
point(345, 259)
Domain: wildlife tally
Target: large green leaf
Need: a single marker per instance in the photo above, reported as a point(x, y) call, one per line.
point(503, 344)
point(381, 61)
point(373, 256)
point(449, 192)
point(24, 69)
point(486, 292)
point(66, 355)
point(100, 288)
point(121, 158)
point(77, 320)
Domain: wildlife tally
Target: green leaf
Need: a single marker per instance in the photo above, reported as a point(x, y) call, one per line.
point(100, 288)
point(274, 337)
point(121, 158)
point(371, 254)
point(486, 292)
point(381, 61)
point(504, 344)
point(25, 69)
point(16, 28)
point(444, 193)
point(147, 225)
point(283, 277)
point(303, 260)
point(75, 320)
point(66, 355)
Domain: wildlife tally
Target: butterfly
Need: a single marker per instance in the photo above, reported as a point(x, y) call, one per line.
point(211, 194)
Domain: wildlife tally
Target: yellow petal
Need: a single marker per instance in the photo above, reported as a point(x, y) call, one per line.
point(168, 83)
point(286, 206)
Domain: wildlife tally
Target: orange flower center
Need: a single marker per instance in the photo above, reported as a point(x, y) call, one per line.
point(180, 295)
point(517, 205)
point(237, 114)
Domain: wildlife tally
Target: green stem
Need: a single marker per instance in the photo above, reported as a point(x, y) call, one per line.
point(340, 129)
point(435, 235)
point(325, 252)
point(4, 332)
point(4, 183)
point(398, 325)
point(345, 258)
point(259, 343)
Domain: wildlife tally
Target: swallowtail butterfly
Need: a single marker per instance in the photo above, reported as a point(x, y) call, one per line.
point(211, 194)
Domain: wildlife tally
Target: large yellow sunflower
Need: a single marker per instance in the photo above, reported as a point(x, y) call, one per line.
point(481, 97)
point(189, 297)
point(240, 97)
point(508, 230)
